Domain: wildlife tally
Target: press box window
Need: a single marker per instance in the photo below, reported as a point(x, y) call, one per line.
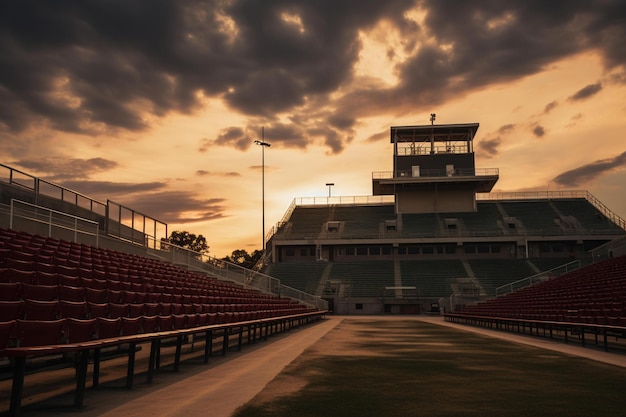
point(332, 227)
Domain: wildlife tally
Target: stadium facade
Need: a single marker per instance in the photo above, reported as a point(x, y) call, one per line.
point(432, 236)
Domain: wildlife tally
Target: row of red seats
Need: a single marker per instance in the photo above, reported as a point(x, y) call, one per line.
point(594, 294)
point(23, 333)
point(54, 309)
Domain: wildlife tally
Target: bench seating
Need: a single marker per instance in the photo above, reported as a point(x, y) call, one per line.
point(59, 297)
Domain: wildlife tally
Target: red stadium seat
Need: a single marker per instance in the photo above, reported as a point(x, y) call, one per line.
point(11, 310)
point(80, 330)
point(73, 309)
point(108, 328)
point(41, 310)
point(10, 291)
point(136, 310)
point(40, 332)
point(131, 325)
point(95, 310)
point(7, 334)
point(118, 310)
point(46, 278)
point(94, 295)
point(150, 324)
point(40, 292)
point(17, 275)
point(165, 323)
point(71, 293)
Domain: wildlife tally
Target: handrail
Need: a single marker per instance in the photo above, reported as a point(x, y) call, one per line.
point(542, 276)
point(49, 219)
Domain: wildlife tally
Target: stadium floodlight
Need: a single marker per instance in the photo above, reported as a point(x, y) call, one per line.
point(329, 184)
point(263, 145)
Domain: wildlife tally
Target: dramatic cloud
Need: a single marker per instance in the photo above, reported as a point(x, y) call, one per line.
point(111, 190)
point(586, 92)
point(57, 169)
point(589, 172)
point(93, 67)
point(177, 206)
point(489, 147)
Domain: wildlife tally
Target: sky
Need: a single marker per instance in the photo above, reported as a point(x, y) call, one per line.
point(155, 104)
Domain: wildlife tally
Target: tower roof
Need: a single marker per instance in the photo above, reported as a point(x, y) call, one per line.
point(440, 133)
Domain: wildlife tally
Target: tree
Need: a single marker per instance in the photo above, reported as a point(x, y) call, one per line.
point(242, 258)
point(189, 241)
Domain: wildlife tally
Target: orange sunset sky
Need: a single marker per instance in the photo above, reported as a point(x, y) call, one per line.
point(155, 104)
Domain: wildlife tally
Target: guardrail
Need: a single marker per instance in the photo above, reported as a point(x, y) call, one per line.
point(52, 219)
point(533, 279)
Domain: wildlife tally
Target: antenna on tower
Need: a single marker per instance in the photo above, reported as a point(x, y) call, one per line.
point(432, 136)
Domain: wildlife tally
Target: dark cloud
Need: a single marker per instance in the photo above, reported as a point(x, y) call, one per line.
point(97, 66)
point(56, 169)
point(203, 173)
point(384, 135)
point(539, 131)
point(489, 147)
point(550, 106)
point(506, 128)
point(589, 172)
point(586, 92)
point(111, 190)
point(177, 206)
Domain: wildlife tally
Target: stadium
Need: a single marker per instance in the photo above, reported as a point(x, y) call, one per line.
point(84, 283)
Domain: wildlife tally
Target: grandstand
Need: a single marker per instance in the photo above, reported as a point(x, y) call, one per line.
point(82, 281)
point(432, 236)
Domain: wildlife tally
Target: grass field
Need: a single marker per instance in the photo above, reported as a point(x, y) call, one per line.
point(373, 367)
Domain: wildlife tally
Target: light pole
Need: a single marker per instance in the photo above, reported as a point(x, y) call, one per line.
point(263, 145)
point(329, 184)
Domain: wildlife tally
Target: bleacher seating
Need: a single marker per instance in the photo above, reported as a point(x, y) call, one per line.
point(364, 279)
point(492, 273)
point(55, 285)
point(432, 278)
point(595, 294)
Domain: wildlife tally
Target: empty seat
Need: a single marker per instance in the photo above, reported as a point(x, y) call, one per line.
point(72, 281)
point(41, 310)
point(136, 310)
point(46, 278)
point(80, 330)
point(18, 275)
point(73, 309)
point(94, 295)
point(118, 310)
point(165, 323)
point(108, 328)
point(11, 310)
point(131, 325)
point(71, 293)
point(7, 334)
point(95, 310)
point(40, 292)
point(40, 332)
point(10, 291)
point(150, 324)
point(20, 265)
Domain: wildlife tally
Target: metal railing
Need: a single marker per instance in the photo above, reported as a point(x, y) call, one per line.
point(42, 218)
point(533, 279)
point(225, 270)
point(430, 173)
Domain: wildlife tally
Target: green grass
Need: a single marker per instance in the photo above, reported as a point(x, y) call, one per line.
point(408, 368)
